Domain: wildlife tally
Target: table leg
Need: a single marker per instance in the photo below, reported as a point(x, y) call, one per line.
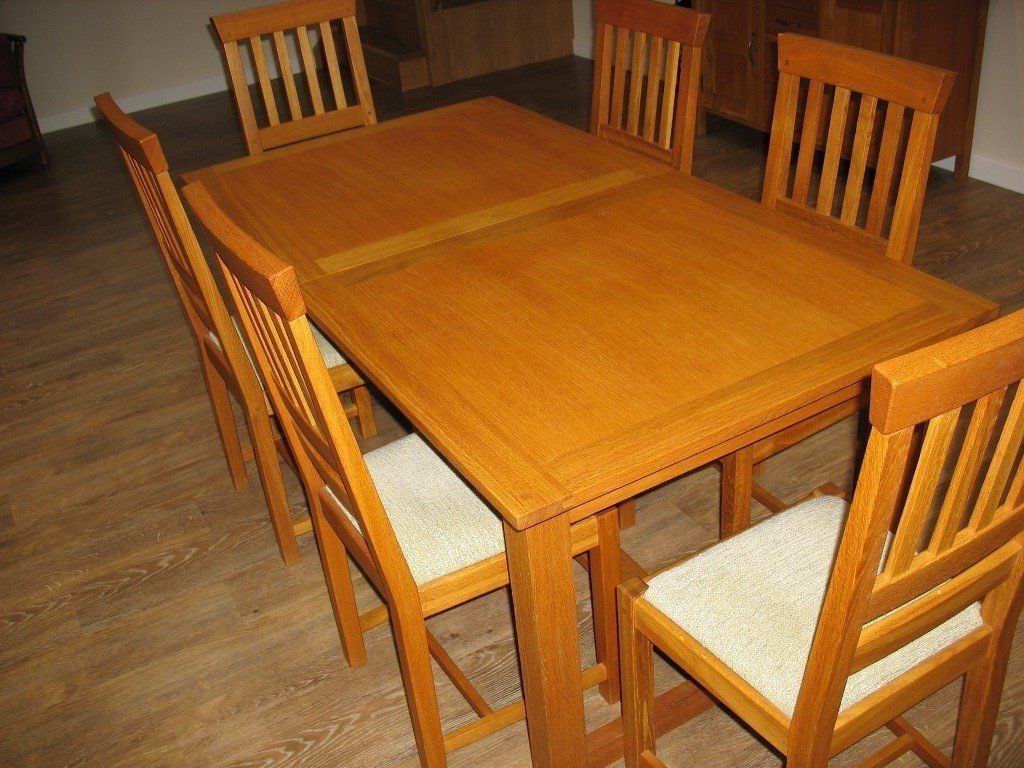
point(737, 490)
point(544, 601)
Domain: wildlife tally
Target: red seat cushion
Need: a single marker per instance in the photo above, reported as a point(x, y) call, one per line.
point(11, 103)
point(14, 132)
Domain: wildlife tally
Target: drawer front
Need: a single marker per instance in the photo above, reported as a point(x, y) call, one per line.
point(778, 18)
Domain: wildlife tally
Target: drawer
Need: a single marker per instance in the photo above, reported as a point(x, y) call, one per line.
point(778, 18)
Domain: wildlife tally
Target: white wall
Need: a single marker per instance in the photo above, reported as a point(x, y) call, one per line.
point(145, 52)
point(998, 155)
point(999, 129)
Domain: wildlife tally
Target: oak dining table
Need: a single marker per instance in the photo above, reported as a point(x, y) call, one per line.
point(570, 325)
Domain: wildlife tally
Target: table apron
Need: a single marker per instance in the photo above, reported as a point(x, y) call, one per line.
point(708, 455)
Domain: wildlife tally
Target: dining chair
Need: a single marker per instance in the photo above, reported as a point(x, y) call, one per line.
point(226, 364)
point(656, 48)
point(830, 620)
point(313, 110)
point(880, 111)
point(420, 534)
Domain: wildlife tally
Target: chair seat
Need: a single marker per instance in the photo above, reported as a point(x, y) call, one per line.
point(441, 524)
point(754, 600)
point(332, 357)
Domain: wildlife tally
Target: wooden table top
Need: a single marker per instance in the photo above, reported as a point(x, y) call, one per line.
point(345, 200)
point(583, 345)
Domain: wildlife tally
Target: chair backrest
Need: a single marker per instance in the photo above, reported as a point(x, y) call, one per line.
point(647, 69)
point(273, 315)
point(943, 473)
point(840, 79)
point(201, 299)
point(273, 25)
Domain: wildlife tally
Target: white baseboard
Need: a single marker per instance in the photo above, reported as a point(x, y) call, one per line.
point(131, 104)
point(583, 47)
point(991, 171)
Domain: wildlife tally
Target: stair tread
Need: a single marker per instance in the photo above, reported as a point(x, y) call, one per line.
point(382, 42)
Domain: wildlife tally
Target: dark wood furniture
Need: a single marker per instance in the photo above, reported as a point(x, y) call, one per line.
point(19, 129)
point(741, 68)
point(413, 43)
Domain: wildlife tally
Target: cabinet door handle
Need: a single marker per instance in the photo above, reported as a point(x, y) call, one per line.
point(750, 48)
point(787, 24)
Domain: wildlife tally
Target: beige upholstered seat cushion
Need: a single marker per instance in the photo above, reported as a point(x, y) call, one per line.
point(754, 601)
point(441, 524)
point(332, 357)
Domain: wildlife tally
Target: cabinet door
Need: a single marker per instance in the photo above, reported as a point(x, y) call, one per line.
point(733, 84)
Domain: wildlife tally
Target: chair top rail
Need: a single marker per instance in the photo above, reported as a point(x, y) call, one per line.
point(278, 17)
point(918, 86)
point(666, 21)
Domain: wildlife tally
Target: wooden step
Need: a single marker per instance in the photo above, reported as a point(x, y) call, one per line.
point(392, 61)
point(395, 19)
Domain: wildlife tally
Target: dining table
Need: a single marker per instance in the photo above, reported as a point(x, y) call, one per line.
point(570, 325)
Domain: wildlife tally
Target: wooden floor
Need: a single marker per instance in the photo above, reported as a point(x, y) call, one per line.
point(145, 618)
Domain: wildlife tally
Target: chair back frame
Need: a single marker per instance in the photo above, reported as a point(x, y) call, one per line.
point(911, 90)
point(251, 26)
point(663, 70)
point(947, 552)
point(197, 290)
point(266, 294)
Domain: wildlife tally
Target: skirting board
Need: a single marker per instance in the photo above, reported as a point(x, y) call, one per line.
point(991, 171)
point(134, 103)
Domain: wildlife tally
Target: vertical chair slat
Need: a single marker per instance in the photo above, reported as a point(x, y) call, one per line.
point(309, 66)
point(859, 159)
point(635, 82)
point(780, 152)
point(654, 61)
point(906, 216)
point(965, 474)
point(668, 97)
point(881, 192)
point(259, 63)
point(358, 65)
point(333, 66)
point(808, 141)
point(243, 101)
point(601, 96)
point(284, 67)
point(619, 77)
point(1006, 452)
point(934, 450)
point(685, 120)
point(833, 150)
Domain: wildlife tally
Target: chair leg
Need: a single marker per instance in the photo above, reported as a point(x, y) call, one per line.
point(224, 417)
point(636, 657)
point(265, 452)
point(605, 575)
point(979, 708)
point(418, 680)
point(337, 572)
point(364, 411)
point(627, 514)
point(736, 491)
